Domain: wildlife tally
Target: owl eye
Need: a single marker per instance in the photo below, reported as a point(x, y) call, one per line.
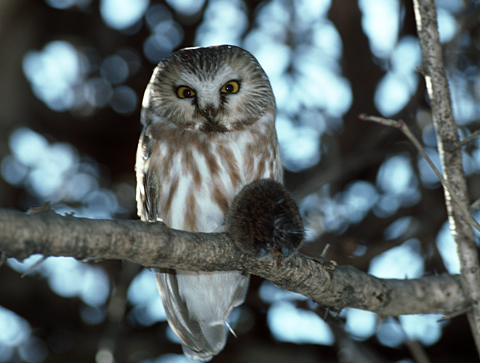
point(185, 92)
point(231, 87)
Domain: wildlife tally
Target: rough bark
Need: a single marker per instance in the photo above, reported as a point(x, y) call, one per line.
point(156, 245)
point(450, 156)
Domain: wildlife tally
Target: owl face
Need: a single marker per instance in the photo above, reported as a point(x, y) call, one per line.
point(211, 89)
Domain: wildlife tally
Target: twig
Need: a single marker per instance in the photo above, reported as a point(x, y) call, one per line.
point(325, 250)
point(455, 314)
point(475, 205)
point(404, 128)
point(416, 350)
point(33, 267)
point(465, 141)
point(414, 347)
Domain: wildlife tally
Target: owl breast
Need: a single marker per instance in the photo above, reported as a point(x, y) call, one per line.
point(199, 174)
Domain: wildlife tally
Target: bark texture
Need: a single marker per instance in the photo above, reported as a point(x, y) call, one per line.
point(450, 156)
point(156, 245)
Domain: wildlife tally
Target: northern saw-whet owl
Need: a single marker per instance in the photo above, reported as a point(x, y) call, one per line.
point(209, 130)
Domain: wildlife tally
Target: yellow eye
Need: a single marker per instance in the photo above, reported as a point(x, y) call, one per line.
point(231, 87)
point(185, 92)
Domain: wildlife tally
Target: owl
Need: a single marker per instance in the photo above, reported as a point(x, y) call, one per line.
point(208, 118)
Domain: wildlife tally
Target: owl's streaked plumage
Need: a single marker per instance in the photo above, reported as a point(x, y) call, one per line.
point(209, 129)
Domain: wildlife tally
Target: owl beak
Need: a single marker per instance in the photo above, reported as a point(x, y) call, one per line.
point(210, 113)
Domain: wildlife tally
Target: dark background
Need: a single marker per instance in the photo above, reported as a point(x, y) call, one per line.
point(347, 198)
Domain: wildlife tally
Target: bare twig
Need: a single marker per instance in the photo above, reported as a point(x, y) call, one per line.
point(34, 266)
point(475, 205)
point(447, 135)
point(325, 250)
point(414, 347)
point(417, 350)
point(401, 125)
point(455, 314)
point(465, 141)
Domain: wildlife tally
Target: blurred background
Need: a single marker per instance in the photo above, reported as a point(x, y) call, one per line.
point(72, 76)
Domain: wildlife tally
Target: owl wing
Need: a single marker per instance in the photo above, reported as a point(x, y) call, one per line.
point(189, 331)
point(147, 183)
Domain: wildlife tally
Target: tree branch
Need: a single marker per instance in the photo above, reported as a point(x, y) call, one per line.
point(451, 158)
point(464, 212)
point(156, 245)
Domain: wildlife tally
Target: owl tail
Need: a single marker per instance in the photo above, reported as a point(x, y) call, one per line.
point(214, 340)
point(197, 305)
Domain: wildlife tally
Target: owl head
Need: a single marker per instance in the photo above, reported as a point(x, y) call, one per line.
point(208, 89)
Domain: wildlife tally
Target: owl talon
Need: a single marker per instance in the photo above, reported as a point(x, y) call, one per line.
point(277, 253)
point(287, 251)
point(264, 253)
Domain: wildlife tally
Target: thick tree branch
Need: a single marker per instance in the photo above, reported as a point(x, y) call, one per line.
point(451, 158)
point(154, 244)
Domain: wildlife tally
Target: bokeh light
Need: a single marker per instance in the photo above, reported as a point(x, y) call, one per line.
point(399, 262)
point(289, 324)
point(121, 14)
point(302, 53)
point(143, 295)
